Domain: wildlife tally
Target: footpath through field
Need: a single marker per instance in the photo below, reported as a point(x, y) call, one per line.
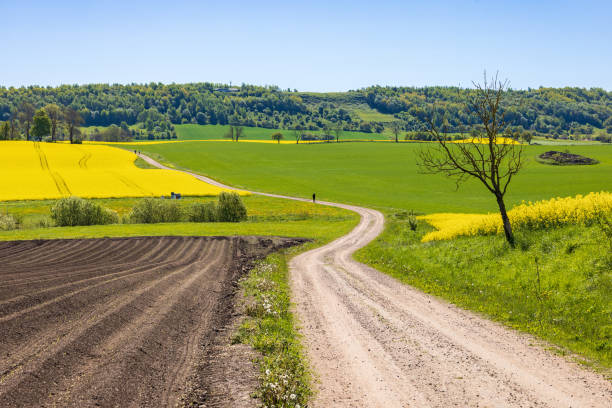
point(374, 342)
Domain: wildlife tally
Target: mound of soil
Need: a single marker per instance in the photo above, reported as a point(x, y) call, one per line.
point(118, 322)
point(565, 159)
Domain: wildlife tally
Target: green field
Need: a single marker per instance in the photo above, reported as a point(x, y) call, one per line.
point(378, 175)
point(207, 132)
point(267, 216)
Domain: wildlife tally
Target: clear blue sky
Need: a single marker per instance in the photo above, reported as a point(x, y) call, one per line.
point(311, 45)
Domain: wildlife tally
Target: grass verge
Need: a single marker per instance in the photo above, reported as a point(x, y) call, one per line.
point(270, 329)
point(555, 285)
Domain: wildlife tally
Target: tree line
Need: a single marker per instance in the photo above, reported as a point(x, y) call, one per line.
point(157, 107)
point(34, 124)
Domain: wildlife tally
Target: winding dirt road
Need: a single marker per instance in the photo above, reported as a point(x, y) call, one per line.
point(374, 342)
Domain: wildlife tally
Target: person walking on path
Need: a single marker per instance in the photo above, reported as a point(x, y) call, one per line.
point(313, 197)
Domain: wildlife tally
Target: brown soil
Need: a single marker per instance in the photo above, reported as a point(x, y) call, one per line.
point(565, 159)
point(120, 322)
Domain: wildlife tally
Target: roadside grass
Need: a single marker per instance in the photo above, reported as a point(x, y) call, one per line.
point(270, 328)
point(378, 175)
point(140, 163)
point(555, 285)
point(260, 209)
point(267, 216)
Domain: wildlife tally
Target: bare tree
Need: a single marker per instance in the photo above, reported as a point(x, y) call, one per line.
point(327, 132)
point(338, 131)
point(488, 157)
point(26, 115)
point(55, 115)
point(396, 129)
point(14, 121)
point(238, 132)
point(73, 120)
point(230, 133)
point(298, 133)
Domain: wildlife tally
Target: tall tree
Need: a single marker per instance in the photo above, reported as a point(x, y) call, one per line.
point(14, 123)
point(41, 125)
point(238, 132)
point(278, 136)
point(230, 133)
point(396, 129)
point(55, 116)
point(73, 120)
point(298, 133)
point(338, 131)
point(486, 157)
point(5, 131)
point(26, 115)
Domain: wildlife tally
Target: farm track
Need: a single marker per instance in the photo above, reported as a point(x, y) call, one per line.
point(374, 342)
point(114, 322)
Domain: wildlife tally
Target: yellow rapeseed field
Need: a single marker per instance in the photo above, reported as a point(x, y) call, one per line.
point(541, 214)
point(33, 171)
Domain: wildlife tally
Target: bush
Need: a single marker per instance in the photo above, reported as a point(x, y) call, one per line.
point(8, 222)
point(203, 212)
point(73, 211)
point(230, 208)
point(155, 210)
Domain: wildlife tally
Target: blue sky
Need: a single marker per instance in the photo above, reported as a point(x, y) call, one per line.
point(312, 46)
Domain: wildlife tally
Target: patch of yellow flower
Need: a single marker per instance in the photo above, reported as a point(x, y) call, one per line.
point(541, 214)
point(33, 171)
point(484, 140)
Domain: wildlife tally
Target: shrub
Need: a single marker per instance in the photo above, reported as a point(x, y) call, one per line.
point(73, 211)
point(155, 210)
point(7, 222)
point(230, 208)
point(203, 212)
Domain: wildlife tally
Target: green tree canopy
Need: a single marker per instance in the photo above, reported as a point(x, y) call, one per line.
point(41, 125)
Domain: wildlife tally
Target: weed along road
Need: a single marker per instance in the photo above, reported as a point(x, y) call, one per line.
point(374, 342)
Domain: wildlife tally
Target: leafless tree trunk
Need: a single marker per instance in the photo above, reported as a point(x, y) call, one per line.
point(73, 121)
point(238, 132)
point(396, 128)
point(338, 131)
point(486, 157)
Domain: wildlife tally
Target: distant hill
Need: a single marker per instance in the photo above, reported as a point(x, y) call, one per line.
point(548, 111)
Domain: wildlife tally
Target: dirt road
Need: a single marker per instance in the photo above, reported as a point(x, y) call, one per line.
point(114, 322)
point(374, 342)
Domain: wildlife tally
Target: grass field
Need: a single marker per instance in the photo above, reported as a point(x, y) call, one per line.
point(267, 216)
point(207, 132)
point(556, 284)
point(378, 175)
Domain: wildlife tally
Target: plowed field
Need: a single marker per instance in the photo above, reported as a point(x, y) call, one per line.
point(113, 322)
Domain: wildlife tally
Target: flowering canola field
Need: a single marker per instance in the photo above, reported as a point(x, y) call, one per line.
point(33, 171)
point(541, 214)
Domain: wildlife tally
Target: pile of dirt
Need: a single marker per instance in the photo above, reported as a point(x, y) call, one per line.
point(118, 322)
point(564, 159)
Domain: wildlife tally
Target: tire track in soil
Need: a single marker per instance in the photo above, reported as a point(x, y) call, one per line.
point(375, 342)
point(127, 342)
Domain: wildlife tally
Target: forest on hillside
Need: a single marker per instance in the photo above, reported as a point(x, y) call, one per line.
point(553, 112)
